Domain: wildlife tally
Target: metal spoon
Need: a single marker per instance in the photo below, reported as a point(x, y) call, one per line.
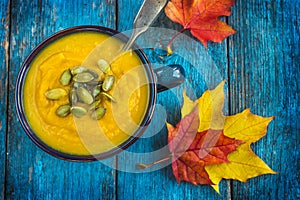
point(145, 17)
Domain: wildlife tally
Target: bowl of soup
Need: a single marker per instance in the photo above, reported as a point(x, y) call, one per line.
point(78, 99)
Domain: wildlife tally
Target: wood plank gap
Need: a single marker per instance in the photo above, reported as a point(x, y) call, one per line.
point(7, 63)
point(228, 40)
point(116, 157)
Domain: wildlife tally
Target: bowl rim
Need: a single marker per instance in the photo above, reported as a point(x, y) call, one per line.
point(73, 157)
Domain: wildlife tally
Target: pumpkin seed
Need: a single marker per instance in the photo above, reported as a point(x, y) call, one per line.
point(65, 78)
point(103, 65)
point(94, 83)
point(109, 96)
point(78, 111)
point(108, 83)
point(73, 96)
point(76, 85)
point(63, 110)
point(84, 95)
point(56, 93)
point(95, 105)
point(77, 69)
point(83, 77)
point(99, 113)
point(96, 90)
point(95, 74)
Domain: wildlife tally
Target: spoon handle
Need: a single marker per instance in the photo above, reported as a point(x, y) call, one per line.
point(145, 17)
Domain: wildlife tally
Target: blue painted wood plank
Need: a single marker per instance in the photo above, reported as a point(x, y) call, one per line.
point(33, 174)
point(264, 75)
point(264, 71)
point(4, 45)
point(204, 69)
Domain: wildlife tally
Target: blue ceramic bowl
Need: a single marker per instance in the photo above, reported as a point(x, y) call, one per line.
point(20, 87)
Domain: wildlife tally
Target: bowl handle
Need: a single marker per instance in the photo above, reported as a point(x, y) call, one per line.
point(169, 76)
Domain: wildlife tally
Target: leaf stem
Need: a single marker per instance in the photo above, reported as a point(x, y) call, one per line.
point(142, 166)
point(169, 50)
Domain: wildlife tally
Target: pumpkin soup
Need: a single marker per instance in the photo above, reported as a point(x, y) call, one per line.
point(59, 122)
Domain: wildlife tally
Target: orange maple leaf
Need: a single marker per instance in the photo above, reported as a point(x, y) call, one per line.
point(192, 150)
point(201, 18)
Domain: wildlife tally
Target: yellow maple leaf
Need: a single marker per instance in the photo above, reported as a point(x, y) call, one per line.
point(243, 163)
point(210, 108)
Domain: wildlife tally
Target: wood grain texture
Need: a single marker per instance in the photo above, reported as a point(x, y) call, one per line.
point(161, 184)
point(4, 45)
point(33, 174)
point(260, 63)
point(264, 75)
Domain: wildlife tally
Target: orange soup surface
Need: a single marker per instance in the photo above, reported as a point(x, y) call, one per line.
point(84, 135)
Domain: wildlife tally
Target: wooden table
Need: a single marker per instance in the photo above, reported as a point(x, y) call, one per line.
point(261, 64)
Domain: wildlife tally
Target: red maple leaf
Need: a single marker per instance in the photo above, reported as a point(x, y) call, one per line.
point(192, 151)
point(201, 18)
